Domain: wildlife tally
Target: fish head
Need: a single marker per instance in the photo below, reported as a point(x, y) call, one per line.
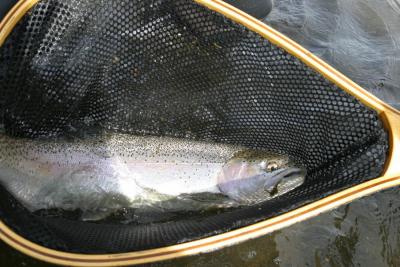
point(249, 180)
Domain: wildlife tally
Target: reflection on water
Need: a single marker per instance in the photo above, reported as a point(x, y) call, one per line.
point(360, 38)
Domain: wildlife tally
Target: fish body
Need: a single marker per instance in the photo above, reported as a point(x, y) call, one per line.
point(123, 171)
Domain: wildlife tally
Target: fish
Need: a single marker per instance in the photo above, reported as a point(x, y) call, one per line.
point(103, 174)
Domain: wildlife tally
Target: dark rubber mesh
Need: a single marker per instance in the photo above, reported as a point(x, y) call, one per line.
point(174, 68)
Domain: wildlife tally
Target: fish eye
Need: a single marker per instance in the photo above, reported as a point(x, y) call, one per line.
point(272, 166)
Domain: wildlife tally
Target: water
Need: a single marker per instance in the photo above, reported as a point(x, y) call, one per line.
point(361, 38)
point(367, 231)
point(363, 233)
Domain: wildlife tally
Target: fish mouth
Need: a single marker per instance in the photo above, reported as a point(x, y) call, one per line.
point(289, 173)
point(282, 175)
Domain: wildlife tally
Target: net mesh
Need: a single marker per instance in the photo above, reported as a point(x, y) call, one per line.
point(174, 68)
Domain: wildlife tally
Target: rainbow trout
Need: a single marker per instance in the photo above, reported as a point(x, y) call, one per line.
point(102, 175)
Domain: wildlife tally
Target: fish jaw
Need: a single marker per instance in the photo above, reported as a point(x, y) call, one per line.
point(248, 184)
point(292, 179)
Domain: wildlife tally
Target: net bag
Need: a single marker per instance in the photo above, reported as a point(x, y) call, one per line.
point(178, 68)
